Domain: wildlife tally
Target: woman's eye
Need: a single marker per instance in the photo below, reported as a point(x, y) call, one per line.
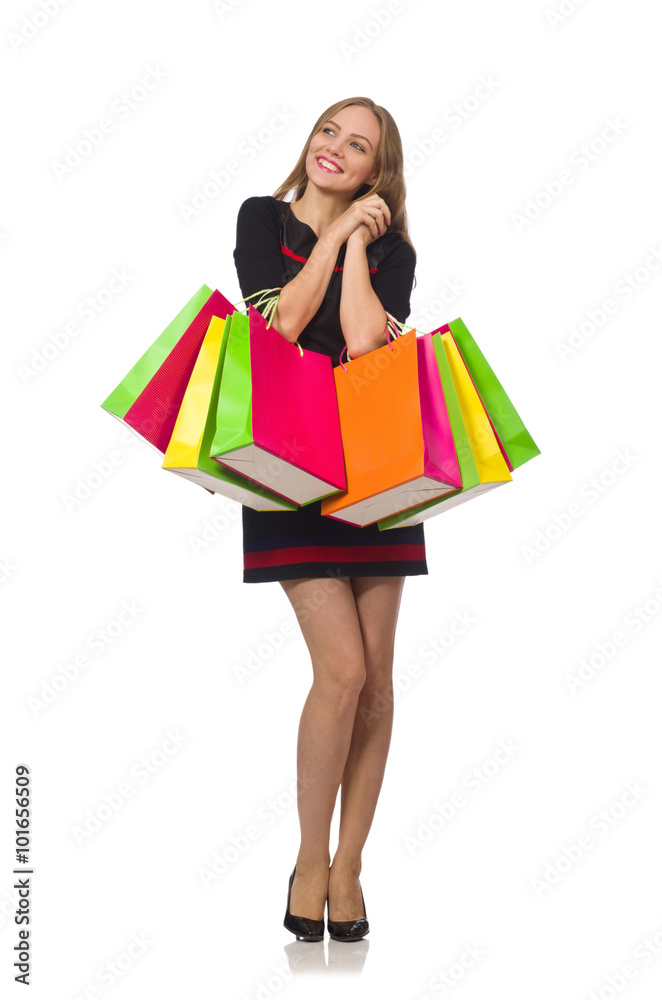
point(329, 129)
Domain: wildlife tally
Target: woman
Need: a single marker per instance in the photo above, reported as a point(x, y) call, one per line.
point(341, 254)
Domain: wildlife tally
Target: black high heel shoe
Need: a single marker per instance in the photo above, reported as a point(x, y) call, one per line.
point(305, 928)
point(349, 930)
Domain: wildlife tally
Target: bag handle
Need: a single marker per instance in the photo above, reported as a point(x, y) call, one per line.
point(270, 303)
point(395, 323)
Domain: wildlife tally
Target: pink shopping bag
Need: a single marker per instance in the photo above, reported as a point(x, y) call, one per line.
point(278, 421)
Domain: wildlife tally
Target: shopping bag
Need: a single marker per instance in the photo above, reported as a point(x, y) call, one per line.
point(395, 432)
point(147, 399)
point(514, 439)
point(277, 419)
point(187, 453)
point(481, 462)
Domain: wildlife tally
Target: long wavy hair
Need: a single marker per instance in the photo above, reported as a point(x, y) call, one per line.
point(390, 182)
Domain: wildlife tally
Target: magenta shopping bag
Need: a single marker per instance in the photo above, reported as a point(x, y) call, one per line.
point(149, 396)
point(397, 440)
point(278, 422)
point(437, 430)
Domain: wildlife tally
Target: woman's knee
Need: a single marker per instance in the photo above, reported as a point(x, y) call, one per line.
point(379, 671)
point(341, 677)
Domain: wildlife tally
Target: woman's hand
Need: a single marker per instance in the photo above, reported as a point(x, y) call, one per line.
point(362, 235)
point(366, 219)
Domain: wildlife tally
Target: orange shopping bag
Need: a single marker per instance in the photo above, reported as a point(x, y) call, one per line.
point(390, 431)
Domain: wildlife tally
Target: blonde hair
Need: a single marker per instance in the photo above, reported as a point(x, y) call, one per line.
point(390, 181)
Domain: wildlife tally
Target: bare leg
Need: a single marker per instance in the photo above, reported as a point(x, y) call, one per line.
point(378, 603)
point(326, 611)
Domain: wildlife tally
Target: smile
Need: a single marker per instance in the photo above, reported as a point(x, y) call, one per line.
point(325, 165)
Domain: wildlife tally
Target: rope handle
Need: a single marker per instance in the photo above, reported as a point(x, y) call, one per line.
point(270, 304)
point(395, 323)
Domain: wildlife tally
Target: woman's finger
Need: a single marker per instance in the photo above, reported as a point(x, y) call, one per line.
point(379, 203)
point(372, 223)
point(379, 222)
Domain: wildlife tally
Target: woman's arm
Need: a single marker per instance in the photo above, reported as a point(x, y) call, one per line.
point(362, 306)
point(259, 262)
point(301, 297)
point(362, 316)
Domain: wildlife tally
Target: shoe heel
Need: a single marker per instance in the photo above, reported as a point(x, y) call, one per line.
point(305, 928)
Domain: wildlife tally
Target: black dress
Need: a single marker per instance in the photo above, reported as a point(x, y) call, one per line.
point(272, 247)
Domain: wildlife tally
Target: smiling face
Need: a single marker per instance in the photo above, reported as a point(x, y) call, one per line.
point(350, 142)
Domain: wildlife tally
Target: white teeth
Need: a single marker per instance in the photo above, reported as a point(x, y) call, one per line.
point(327, 164)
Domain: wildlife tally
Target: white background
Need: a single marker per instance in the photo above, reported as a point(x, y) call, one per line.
point(485, 877)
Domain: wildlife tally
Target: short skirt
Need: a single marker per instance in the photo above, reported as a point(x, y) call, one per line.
point(292, 544)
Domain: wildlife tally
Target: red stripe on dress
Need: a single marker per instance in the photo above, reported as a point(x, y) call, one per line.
point(337, 553)
point(304, 259)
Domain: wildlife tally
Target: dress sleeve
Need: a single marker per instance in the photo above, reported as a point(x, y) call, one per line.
point(394, 279)
point(257, 256)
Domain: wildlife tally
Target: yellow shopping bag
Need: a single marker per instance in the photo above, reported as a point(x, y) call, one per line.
point(490, 463)
point(482, 465)
point(187, 453)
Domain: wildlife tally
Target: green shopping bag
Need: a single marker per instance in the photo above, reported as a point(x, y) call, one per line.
point(187, 453)
point(516, 443)
point(277, 421)
point(471, 478)
point(148, 397)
